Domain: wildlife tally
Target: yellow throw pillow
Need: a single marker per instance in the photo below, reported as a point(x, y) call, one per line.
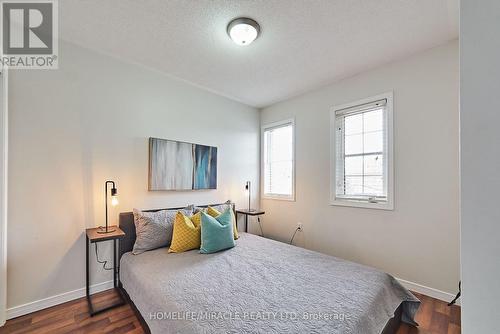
point(215, 213)
point(187, 233)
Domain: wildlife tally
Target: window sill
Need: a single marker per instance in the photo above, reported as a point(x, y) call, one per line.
point(364, 205)
point(279, 198)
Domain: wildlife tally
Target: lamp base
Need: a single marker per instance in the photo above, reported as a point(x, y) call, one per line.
point(102, 230)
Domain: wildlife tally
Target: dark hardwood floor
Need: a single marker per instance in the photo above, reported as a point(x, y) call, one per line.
point(434, 316)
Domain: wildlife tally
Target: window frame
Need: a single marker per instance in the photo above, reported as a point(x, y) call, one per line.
point(267, 126)
point(349, 202)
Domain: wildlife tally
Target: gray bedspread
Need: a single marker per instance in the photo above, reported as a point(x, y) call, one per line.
point(261, 286)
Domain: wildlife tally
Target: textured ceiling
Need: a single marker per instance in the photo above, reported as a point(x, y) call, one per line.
point(304, 44)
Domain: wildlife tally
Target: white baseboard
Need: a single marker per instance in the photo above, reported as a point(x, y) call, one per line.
point(41, 304)
point(425, 290)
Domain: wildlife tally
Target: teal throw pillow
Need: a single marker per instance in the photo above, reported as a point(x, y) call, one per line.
point(216, 233)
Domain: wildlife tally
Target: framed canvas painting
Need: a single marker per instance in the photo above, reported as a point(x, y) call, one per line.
point(175, 165)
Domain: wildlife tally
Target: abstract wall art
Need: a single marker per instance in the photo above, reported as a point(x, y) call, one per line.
point(175, 165)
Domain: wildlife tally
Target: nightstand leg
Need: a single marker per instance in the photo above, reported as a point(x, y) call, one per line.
point(87, 290)
point(114, 263)
point(87, 274)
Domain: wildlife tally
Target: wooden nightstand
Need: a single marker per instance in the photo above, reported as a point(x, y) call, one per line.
point(92, 237)
point(247, 213)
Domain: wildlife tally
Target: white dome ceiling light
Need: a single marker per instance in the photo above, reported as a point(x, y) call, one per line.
point(243, 30)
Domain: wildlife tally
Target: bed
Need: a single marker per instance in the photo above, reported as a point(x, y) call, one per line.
point(259, 286)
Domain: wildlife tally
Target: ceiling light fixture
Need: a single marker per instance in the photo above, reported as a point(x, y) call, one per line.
point(243, 30)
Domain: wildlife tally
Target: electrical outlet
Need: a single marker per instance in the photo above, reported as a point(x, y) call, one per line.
point(299, 226)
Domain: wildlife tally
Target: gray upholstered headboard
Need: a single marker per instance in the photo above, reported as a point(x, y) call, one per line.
point(126, 223)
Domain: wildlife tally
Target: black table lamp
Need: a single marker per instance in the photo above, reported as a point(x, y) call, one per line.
point(114, 202)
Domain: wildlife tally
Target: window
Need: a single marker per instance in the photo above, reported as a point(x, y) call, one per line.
point(362, 154)
point(278, 160)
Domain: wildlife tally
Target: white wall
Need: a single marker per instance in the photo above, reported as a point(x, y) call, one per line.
point(480, 162)
point(419, 240)
point(3, 192)
point(73, 128)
